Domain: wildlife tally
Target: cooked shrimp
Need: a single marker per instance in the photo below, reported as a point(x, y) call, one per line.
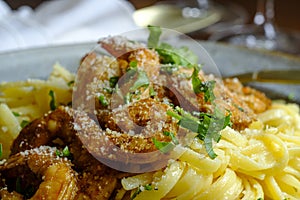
point(127, 51)
point(138, 123)
point(95, 187)
point(256, 100)
point(243, 103)
point(59, 124)
point(39, 169)
point(83, 130)
point(5, 195)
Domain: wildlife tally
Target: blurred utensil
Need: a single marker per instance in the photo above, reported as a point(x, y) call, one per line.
point(270, 76)
point(174, 17)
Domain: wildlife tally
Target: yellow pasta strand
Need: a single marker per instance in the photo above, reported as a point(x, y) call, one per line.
point(166, 182)
point(201, 162)
point(191, 183)
point(220, 188)
point(134, 182)
point(9, 129)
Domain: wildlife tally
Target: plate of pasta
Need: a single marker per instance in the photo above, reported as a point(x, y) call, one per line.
point(126, 119)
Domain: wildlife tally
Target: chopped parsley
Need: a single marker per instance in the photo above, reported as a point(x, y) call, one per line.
point(52, 100)
point(165, 147)
point(16, 114)
point(207, 126)
point(103, 100)
point(173, 137)
point(152, 92)
point(130, 71)
point(148, 187)
point(133, 64)
point(137, 79)
point(63, 153)
point(142, 80)
point(205, 87)
point(168, 54)
point(108, 90)
point(154, 36)
point(113, 81)
point(24, 123)
point(140, 189)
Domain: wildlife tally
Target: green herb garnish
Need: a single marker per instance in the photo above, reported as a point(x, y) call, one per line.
point(168, 54)
point(139, 190)
point(64, 153)
point(52, 100)
point(108, 90)
point(103, 100)
point(206, 126)
point(173, 137)
point(148, 187)
point(137, 79)
point(142, 80)
point(165, 147)
point(16, 114)
point(154, 36)
point(205, 87)
point(152, 92)
point(176, 56)
point(24, 123)
point(113, 81)
point(133, 64)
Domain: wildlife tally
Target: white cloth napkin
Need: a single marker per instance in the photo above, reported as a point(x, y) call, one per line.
point(62, 22)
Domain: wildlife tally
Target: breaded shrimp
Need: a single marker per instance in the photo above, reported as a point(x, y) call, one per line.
point(127, 51)
point(255, 99)
point(40, 169)
point(59, 125)
point(242, 103)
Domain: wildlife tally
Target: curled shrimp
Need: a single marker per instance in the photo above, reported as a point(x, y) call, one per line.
point(127, 51)
point(243, 103)
point(84, 136)
point(40, 172)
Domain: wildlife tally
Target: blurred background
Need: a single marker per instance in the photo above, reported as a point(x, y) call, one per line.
point(226, 18)
point(287, 11)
